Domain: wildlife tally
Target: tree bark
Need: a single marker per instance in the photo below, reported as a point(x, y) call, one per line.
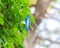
point(41, 8)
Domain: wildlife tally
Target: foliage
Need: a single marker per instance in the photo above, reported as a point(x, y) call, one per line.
point(33, 2)
point(12, 13)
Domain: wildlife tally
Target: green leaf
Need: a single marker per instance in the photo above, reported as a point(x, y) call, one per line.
point(11, 45)
point(0, 2)
point(24, 33)
point(32, 19)
point(1, 19)
point(1, 41)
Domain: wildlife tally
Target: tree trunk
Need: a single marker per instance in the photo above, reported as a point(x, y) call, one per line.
point(41, 8)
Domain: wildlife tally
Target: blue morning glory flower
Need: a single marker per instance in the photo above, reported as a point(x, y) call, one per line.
point(27, 21)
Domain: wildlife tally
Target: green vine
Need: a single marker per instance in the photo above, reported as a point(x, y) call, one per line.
point(12, 30)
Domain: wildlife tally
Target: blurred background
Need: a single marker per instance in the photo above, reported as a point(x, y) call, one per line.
point(46, 32)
